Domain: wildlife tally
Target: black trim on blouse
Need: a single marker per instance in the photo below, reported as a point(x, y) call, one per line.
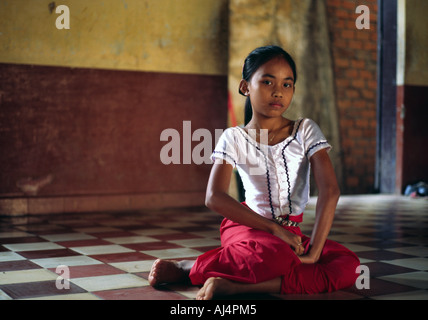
point(286, 167)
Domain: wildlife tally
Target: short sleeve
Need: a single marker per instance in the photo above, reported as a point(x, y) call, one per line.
point(314, 139)
point(226, 148)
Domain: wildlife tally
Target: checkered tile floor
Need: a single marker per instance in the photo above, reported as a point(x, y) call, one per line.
point(109, 255)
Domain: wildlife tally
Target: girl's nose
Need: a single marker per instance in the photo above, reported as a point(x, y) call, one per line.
point(277, 93)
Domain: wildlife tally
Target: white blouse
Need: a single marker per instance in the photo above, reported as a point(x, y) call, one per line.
point(275, 178)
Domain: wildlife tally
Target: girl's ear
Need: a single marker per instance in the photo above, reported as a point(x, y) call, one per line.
point(243, 88)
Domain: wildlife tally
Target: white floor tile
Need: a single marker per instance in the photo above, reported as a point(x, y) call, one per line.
point(67, 237)
point(131, 239)
point(414, 263)
point(110, 282)
point(22, 276)
point(134, 266)
point(10, 256)
point(105, 249)
point(414, 279)
point(70, 261)
point(34, 246)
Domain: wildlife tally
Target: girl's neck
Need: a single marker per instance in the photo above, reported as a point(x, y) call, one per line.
point(278, 129)
point(271, 124)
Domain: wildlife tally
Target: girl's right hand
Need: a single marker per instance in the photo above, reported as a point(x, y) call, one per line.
point(294, 240)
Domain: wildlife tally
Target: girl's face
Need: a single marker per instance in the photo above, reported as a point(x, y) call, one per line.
point(271, 88)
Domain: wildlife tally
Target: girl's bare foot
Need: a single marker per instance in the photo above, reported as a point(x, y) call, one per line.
point(215, 286)
point(220, 286)
point(169, 271)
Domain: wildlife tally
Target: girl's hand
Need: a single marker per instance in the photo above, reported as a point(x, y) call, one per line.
point(308, 259)
point(292, 239)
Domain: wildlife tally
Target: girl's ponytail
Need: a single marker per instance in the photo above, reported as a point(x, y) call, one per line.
point(248, 112)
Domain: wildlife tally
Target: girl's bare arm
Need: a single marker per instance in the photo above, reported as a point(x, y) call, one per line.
point(328, 195)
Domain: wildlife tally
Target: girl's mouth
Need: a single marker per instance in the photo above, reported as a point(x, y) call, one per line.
point(276, 105)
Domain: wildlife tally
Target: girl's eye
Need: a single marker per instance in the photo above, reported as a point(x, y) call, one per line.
point(267, 82)
point(288, 85)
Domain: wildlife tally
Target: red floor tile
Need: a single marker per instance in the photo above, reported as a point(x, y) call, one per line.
point(40, 254)
point(175, 236)
point(91, 271)
point(17, 265)
point(380, 287)
point(160, 245)
point(82, 243)
point(37, 289)
point(122, 257)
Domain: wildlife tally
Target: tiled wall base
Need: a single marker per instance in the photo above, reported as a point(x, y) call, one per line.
point(51, 205)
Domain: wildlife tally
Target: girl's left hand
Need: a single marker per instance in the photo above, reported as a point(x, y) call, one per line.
point(294, 240)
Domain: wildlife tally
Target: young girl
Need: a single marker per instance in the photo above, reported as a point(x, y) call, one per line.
point(262, 248)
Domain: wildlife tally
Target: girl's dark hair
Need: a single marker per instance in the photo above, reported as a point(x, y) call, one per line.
point(257, 58)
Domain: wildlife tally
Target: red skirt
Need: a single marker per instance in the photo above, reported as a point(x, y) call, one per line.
point(248, 255)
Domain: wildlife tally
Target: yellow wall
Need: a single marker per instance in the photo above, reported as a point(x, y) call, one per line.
point(412, 39)
point(416, 72)
point(184, 36)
